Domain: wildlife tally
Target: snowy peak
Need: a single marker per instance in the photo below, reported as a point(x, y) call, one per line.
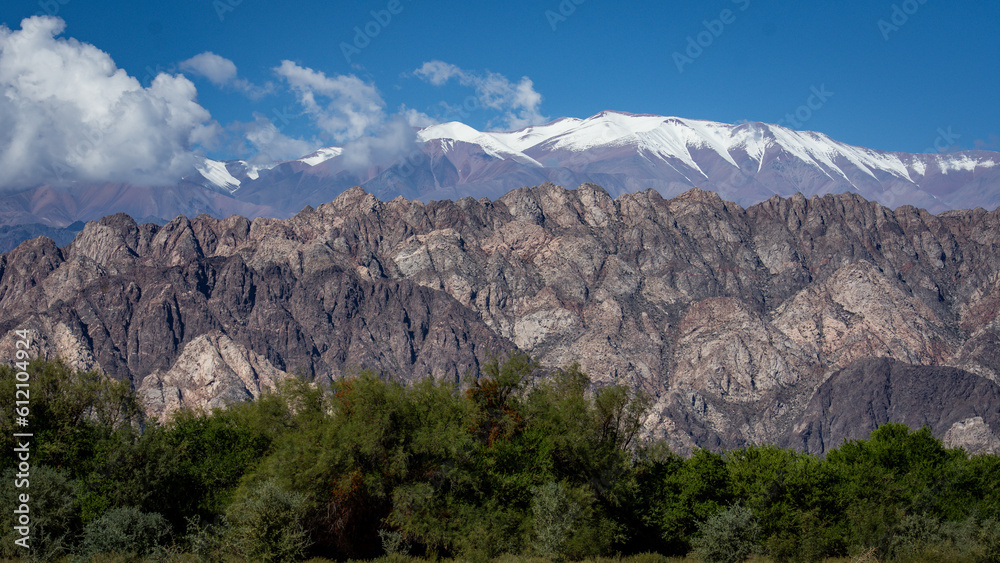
point(524, 139)
point(451, 130)
point(322, 155)
point(623, 152)
point(490, 143)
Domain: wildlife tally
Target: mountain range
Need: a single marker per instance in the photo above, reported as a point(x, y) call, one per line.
point(800, 321)
point(745, 163)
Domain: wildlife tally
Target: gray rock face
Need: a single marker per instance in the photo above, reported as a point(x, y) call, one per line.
point(960, 408)
point(732, 319)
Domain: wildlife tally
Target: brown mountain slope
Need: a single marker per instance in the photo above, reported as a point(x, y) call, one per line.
point(730, 318)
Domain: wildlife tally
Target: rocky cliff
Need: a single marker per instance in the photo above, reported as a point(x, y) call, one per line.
point(736, 321)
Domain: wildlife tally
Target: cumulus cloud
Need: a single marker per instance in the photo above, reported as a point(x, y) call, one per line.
point(352, 113)
point(270, 145)
point(344, 106)
point(68, 113)
point(519, 102)
point(417, 118)
point(221, 72)
point(394, 139)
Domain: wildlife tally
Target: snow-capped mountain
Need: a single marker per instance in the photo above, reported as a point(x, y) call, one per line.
point(623, 152)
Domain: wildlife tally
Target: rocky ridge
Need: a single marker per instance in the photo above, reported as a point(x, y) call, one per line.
point(733, 319)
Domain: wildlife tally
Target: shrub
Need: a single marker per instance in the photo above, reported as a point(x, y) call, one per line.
point(690, 492)
point(393, 543)
point(125, 530)
point(555, 513)
point(989, 540)
point(730, 536)
point(207, 542)
point(266, 523)
point(191, 466)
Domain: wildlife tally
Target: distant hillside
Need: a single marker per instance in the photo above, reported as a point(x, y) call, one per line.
point(11, 236)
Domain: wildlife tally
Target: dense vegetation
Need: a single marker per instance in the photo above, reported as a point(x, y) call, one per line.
point(514, 464)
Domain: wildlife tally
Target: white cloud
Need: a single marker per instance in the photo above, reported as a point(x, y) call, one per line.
point(270, 145)
point(344, 106)
point(525, 106)
point(394, 139)
point(352, 113)
point(219, 70)
point(438, 72)
point(417, 118)
point(222, 72)
point(519, 102)
point(68, 113)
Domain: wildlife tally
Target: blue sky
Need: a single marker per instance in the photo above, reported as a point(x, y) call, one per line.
point(894, 75)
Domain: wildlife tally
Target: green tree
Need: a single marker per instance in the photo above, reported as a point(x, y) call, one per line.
point(699, 488)
point(360, 443)
point(76, 417)
point(653, 485)
point(793, 494)
point(902, 484)
point(190, 466)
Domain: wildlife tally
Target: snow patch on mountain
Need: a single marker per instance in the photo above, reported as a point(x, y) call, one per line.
point(523, 139)
point(963, 163)
point(322, 155)
point(606, 128)
point(217, 173)
point(490, 144)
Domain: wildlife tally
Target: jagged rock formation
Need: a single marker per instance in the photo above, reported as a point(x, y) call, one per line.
point(732, 319)
point(192, 322)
